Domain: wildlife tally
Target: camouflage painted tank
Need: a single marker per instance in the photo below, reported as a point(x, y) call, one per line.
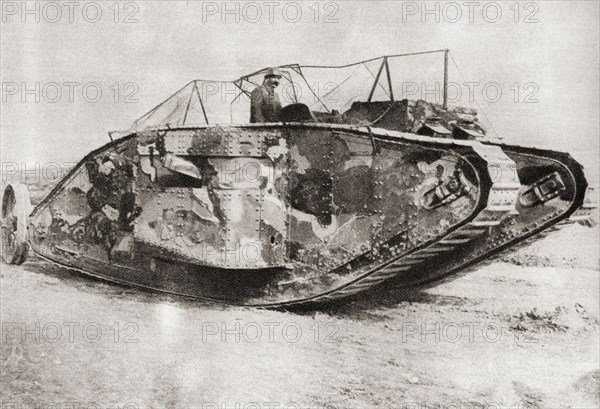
point(316, 208)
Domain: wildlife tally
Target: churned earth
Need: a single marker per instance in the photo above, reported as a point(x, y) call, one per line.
point(520, 333)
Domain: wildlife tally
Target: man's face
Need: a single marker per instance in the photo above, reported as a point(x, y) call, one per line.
point(272, 82)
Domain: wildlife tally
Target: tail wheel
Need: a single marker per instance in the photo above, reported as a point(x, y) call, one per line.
point(16, 207)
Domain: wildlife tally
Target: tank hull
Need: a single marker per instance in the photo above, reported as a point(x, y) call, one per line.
point(268, 215)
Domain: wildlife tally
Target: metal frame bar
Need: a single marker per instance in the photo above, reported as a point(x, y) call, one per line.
point(373, 59)
point(376, 80)
point(445, 91)
point(389, 79)
point(239, 85)
point(201, 104)
point(187, 108)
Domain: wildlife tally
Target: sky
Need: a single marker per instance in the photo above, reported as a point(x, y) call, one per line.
point(543, 56)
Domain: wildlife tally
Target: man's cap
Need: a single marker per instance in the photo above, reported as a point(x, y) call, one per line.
point(273, 72)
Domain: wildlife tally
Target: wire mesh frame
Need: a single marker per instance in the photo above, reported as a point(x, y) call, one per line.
point(239, 83)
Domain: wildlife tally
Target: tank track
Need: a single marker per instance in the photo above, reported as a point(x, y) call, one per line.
point(581, 215)
point(579, 211)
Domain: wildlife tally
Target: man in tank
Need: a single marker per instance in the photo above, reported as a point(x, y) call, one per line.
point(265, 105)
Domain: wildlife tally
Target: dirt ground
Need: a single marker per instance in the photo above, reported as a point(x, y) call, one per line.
point(520, 333)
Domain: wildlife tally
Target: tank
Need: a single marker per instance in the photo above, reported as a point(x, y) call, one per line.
point(318, 207)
